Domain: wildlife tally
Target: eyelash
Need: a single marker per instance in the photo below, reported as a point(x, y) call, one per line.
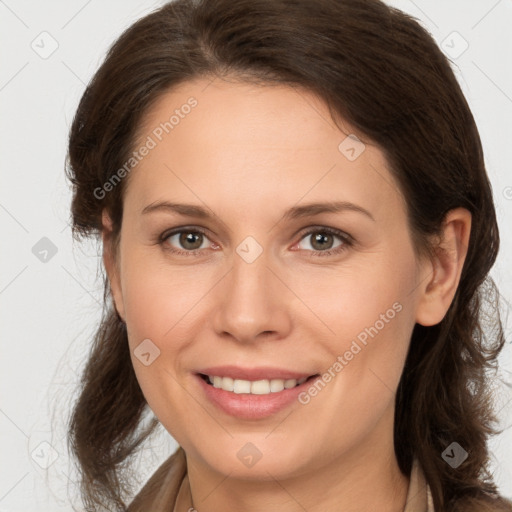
point(347, 240)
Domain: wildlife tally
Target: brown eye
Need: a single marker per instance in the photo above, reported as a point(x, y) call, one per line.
point(191, 240)
point(322, 241)
point(186, 241)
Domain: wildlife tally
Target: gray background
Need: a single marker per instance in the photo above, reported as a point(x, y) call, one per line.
point(51, 301)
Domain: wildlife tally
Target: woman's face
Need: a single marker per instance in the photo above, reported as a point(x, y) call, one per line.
point(261, 279)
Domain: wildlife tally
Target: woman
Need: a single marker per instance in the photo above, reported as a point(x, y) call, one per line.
point(297, 231)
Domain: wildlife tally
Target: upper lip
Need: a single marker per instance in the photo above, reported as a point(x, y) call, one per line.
point(259, 373)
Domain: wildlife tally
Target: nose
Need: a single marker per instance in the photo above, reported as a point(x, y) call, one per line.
point(253, 303)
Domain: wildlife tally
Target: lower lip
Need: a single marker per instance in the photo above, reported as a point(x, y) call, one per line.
point(253, 407)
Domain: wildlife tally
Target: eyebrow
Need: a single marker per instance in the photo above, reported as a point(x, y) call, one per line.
point(296, 212)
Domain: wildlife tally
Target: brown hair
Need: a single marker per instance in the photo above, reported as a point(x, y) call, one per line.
point(380, 70)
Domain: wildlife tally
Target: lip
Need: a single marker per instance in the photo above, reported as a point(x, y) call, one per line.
point(260, 373)
point(252, 407)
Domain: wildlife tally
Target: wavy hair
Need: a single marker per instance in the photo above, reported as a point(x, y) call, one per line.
point(380, 70)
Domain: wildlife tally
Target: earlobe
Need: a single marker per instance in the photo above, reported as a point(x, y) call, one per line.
point(111, 266)
point(443, 274)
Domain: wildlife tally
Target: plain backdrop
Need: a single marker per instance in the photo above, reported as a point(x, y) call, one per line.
point(51, 289)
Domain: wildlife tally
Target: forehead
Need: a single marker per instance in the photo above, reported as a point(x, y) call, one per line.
point(244, 115)
point(244, 143)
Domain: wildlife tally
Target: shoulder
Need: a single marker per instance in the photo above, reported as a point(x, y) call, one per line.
point(162, 487)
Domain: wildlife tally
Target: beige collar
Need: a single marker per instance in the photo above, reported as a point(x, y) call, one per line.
point(419, 497)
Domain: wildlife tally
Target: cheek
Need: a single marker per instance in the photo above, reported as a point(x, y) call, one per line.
point(159, 304)
point(370, 313)
point(158, 297)
point(358, 295)
point(162, 304)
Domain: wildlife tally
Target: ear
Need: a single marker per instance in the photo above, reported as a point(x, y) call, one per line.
point(111, 264)
point(442, 274)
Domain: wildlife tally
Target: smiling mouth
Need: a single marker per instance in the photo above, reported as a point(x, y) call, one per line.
point(258, 387)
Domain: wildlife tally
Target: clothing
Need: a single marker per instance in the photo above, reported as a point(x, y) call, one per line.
point(168, 489)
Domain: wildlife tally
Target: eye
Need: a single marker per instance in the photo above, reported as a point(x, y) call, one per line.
point(186, 241)
point(322, 241)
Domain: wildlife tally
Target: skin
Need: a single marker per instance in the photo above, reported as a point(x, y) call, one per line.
point(248, 153)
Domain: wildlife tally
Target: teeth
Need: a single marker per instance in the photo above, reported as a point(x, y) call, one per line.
point(256, 387)
point(240, 386)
